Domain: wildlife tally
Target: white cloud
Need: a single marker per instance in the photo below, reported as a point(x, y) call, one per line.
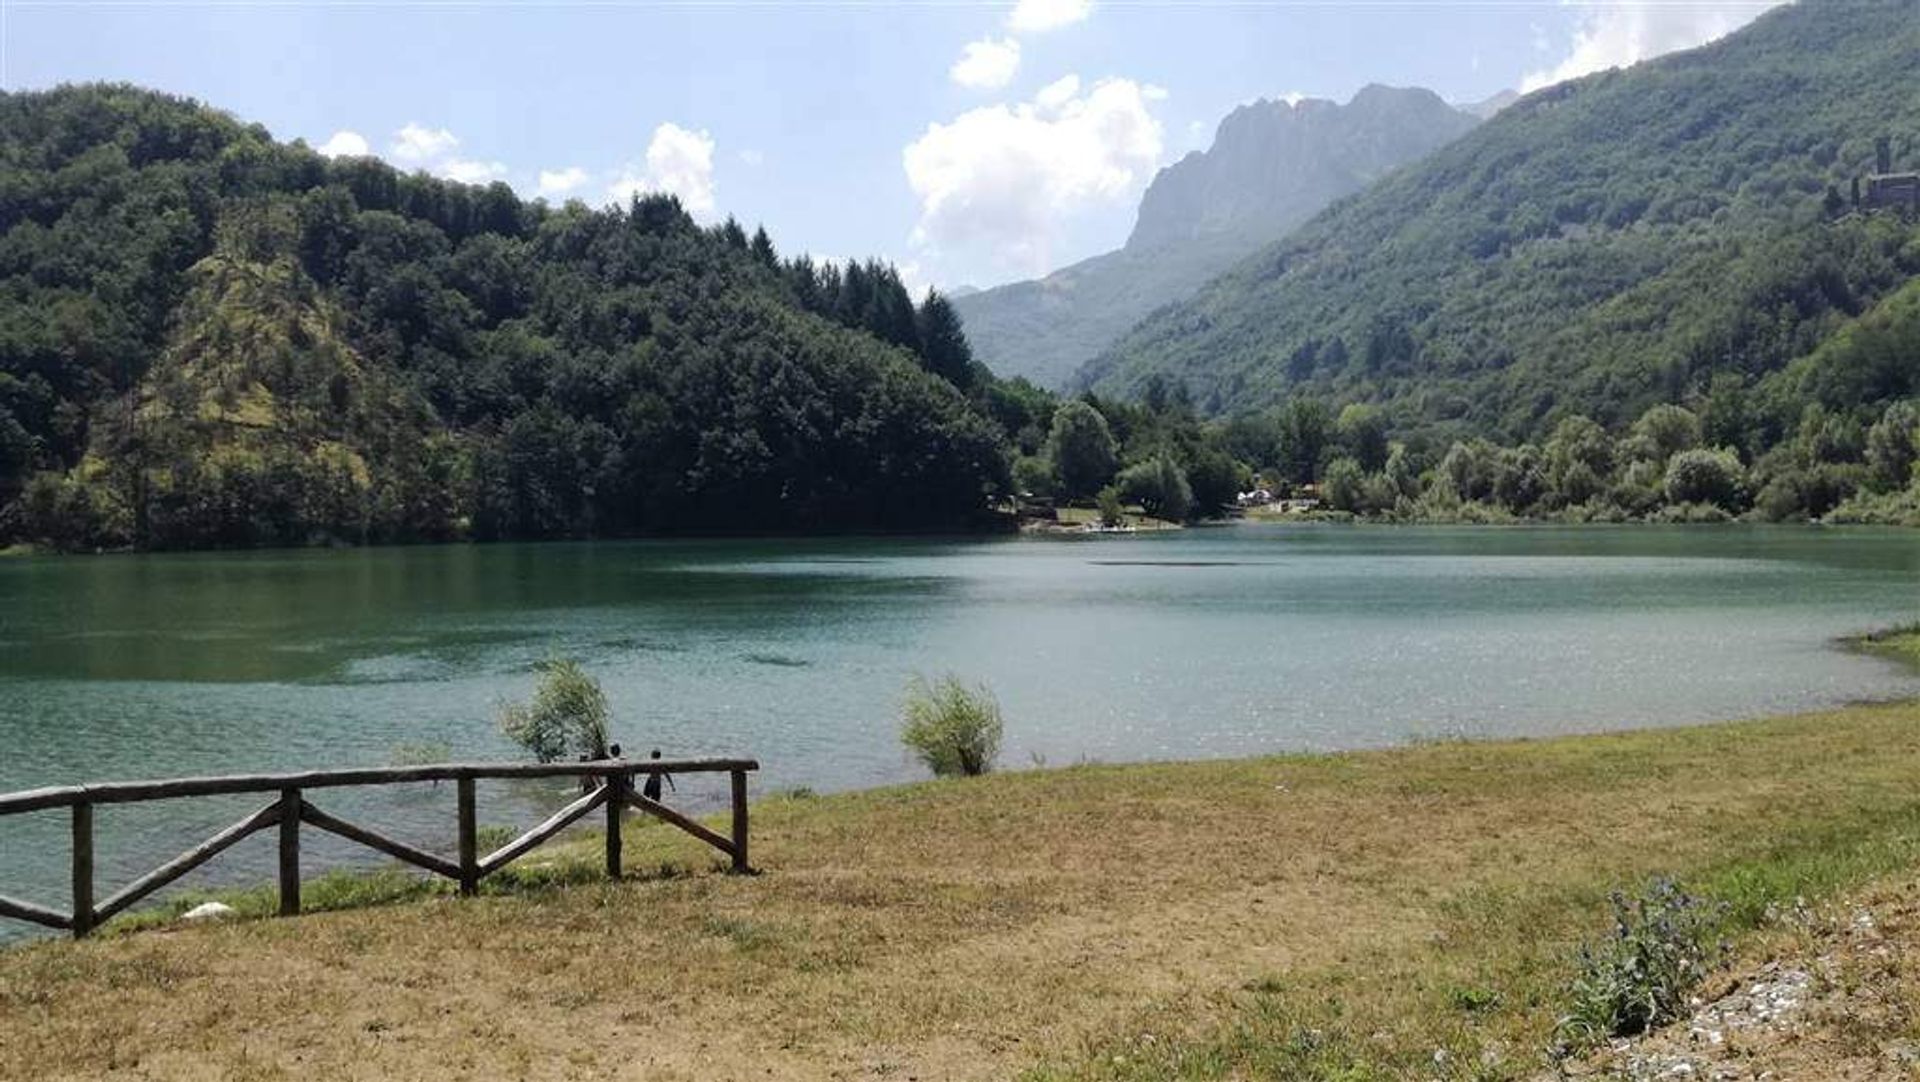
point(417, 145)
point(346, 144)
point(1294, 97)
point(470, 172)
point(1617, 34)
point(555, 183)
point(679, 161)
point(1036, 16)
point(1058, 93)
point(986, 64)
point(1002, 177)
point(432, 149)
point(752, 158)
point(914, 277)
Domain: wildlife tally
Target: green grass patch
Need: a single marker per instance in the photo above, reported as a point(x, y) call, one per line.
point(1899, 643)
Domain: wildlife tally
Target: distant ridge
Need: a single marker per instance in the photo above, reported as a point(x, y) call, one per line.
point(1486, 107)
point(1272, 165)
point(1670, 232)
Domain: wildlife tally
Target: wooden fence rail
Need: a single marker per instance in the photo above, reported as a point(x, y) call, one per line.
point(289, 808)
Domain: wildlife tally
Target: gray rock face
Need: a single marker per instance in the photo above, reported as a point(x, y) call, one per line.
point(1272, 165)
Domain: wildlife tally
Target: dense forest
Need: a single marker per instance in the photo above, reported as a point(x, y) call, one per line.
point(1640, 295)
point(208, 338)
point(1678, 233)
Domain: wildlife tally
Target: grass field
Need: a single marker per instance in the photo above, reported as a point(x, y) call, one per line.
point(1410, 913)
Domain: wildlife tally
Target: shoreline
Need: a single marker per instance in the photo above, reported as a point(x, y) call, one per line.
point(379, 883)
point(384, 883)
point(1021, 528)
point(1036, 923)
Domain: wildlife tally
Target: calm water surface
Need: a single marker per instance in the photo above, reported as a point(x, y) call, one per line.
point(1214, 642)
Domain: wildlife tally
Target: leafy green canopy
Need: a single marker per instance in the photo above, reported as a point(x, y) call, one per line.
point(210, 338)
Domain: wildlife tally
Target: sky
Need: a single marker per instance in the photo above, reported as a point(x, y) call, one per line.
point(970, 143)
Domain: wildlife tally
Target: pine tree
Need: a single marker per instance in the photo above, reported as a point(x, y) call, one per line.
point(943, 343)
point(763, 249)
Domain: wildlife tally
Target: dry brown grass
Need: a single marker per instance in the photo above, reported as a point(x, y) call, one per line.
point(1135, 921)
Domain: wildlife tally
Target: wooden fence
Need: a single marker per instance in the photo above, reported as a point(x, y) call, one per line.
point(289, 808)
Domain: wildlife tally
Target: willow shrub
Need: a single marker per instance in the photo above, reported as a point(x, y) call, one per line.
point(953, 728)
point(568, 714)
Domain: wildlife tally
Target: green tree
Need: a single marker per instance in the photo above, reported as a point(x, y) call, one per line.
point(1033, 475)
point(1216, 479)
point(763, 250)
point(954, 729)
point(943, 343)
point(1345, 485)
point(1662, 432)
point(1159, 486)
point(1363, 434)
point(1082, 449)
point(1401, 477)
point(1893, 446)
point(1579, 460)
point(1468, 470)
point(568, 715)
point(1519, 478)
point(1304, 434)
point(1703, 476)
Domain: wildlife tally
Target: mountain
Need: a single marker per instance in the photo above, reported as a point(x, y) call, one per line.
point(210, 338)
point(1272, 165)
point(1486, 107)
point(1673, 232)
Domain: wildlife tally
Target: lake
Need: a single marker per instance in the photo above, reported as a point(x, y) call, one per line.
point(1224, 641)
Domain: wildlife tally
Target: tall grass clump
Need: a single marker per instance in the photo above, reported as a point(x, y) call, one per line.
point(953, 728)
point(568, 715)
point(1663, 942)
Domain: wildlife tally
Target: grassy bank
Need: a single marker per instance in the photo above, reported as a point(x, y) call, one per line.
point(1405, 913)
point(1898, 643)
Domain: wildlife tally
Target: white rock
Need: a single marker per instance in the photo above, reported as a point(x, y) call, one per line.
point(208, 911)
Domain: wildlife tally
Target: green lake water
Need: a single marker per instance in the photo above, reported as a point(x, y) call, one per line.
point(1212, 642)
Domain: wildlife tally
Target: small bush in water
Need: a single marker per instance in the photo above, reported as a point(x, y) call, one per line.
point(953, 728)
point(1662, 944)
point(568, 715)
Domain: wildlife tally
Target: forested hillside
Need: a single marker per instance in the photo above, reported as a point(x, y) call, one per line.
point(1677, 232)
point(211, 338)
point(1272, 165)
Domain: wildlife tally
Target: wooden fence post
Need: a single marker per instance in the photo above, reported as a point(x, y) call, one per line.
point(469, 839)
point(617, 785)
point(289, 852)
point(82, 869)
point(740, 822)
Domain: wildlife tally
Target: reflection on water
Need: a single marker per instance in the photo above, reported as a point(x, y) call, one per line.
point(1203, 643)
